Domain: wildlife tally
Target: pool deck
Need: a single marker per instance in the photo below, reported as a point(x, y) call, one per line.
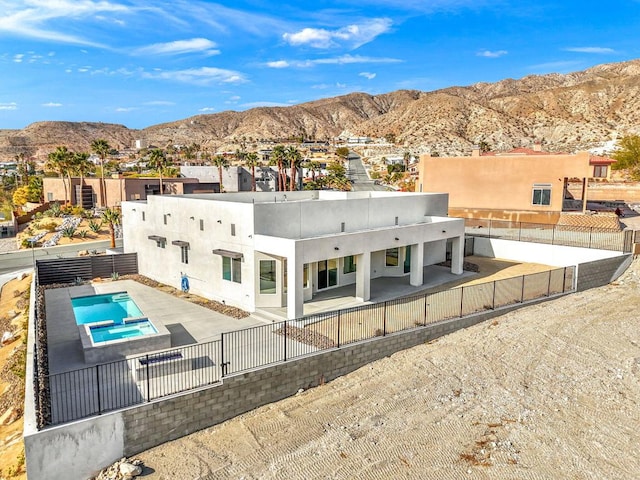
point(188, 323)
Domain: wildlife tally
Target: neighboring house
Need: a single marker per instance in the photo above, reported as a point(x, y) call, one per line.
point(256, 250)
point(523, 184)
point(118, 189)
point(601, 167)
point(234, 178)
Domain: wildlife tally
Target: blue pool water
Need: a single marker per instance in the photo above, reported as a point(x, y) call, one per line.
point(111, 306)
point(134, 328)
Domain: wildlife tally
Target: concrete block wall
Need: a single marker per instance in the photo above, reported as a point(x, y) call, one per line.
point(601, 272)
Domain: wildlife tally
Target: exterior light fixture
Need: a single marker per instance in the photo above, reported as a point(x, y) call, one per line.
point(397, 238)
point(219, 221)
point(336, 248)
point(444, 231)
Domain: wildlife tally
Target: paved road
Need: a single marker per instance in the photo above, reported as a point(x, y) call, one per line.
point(358, 174)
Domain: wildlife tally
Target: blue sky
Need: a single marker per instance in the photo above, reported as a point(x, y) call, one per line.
point(143, 62)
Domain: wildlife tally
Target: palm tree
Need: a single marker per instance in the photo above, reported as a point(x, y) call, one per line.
point(23, 169)
point(295, 159)
point(314, 166)
point(101, 148)
point(58, 161)
point(406, 158)
point(113, 218)
point(251, 161)
point(277, 157)
point(221, 162)
point(82, 166)
point(159, 162)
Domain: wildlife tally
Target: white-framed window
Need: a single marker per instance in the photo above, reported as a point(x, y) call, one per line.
point(349, 264)
point(184, 254)
point(392, 257)
point(267, 276)
point(541, 194)
point(232, 269)
point(600, 171)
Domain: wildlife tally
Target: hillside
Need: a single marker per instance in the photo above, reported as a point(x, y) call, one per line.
point(567, 112)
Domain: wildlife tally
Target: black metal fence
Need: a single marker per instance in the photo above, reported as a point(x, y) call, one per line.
point(101, 388)
point(572, 236)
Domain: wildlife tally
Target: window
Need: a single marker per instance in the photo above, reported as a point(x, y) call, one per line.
point(392, 257)
point(184, 254)
point(541, 194)
point(164, 218)
point(600, 171)
point(349, 265)
point(396, 220)
point(161, 242)
point(267, 276)
point(342, 226)
point(201, 225)
point(231, 269)
point(143, 216)
point(233, 229)
point(49, 197)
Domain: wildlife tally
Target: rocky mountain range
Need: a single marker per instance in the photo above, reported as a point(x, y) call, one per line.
point(567, 112)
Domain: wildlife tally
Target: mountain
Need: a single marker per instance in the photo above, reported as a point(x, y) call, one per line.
point(565, 111)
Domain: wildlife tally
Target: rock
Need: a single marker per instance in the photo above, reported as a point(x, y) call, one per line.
point(7, 337)
point(10, 416)
point(129, 470)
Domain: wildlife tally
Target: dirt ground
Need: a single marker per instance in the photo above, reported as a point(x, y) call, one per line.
point(103, 234)
point(12, 307)
point(549, 391)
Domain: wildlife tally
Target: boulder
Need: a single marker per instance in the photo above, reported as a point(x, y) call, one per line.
point(129, 470)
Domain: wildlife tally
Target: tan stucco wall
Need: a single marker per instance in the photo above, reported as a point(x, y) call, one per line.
point(501, 182)
point(117, 190)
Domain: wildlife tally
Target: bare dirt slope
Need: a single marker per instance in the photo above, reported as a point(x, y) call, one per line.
point(546, 392)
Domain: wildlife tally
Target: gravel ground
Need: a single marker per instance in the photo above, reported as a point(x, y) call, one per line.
point(549, 391)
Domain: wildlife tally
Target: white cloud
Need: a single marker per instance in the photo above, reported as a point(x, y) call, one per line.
point(491, 53)
point(207, 109)
point(556, 66)
point(352, 36)
point(18, 58)
point(590, 49)
point(341, 60)
point(278, 64)
point(29, 18)
point(52, 104)
point(125, 109)
point(9, 106)
point(367, 75)
point(194, 45)
point(200, 76)
point(162, 103)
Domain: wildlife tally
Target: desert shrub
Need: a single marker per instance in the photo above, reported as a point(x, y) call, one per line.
point(83, 233)
point(95, 225)
point(69, 231)
point(54, 211)
point(49, 226)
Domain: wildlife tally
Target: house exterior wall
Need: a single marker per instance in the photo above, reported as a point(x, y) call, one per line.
point(501, 182)
point(234, 179)
point(301, 227)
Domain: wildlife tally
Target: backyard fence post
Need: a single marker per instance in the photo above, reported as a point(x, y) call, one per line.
point(384, 320)
point(522, 293)
point(549, 285)
point(493, 306)
point(98, 388)
point(285, 340)
point(520, 231)
point(148, 380)
point(338, 328)
point(425, 309)
point(223, 364)
point(590, 232)
point(461, 301)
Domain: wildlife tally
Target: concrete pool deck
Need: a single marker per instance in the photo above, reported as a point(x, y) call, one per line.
point(188, 323)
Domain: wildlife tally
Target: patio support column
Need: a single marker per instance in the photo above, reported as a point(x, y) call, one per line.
point(416, 277)
point(295, 295)
point(584, 194)
point(363, 276)
point(457, 254)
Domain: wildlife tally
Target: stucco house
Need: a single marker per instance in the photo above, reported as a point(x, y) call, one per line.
point(523, 184)
point(260, 250)
point(87, 192)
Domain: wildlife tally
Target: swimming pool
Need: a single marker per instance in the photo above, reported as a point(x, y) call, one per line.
point(129, 329)
point(110, 306)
